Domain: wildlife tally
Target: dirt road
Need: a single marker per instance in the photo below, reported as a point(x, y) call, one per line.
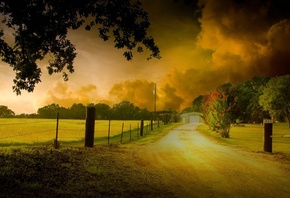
point(195, 166)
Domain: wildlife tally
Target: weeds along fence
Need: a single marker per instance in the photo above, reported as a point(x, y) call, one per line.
point(43, 131)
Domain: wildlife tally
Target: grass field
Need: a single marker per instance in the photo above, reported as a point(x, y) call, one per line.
point(75, 171)
point(251, 137)
point(39, 131)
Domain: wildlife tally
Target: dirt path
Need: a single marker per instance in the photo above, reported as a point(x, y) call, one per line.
point(194, 166)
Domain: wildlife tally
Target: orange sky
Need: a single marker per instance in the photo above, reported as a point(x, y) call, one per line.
point(234, 42)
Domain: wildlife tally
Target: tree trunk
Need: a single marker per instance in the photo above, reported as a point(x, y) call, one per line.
point(225, 133)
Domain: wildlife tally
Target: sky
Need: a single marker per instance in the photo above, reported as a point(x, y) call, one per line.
point(228, 41)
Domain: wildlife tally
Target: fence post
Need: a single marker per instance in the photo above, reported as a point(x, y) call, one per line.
point(90, 127)
point(268, 131)
point(122, 132)
point(141, 128)
point(151, 125)
point(137, 130)
point(109, 131)
point(130, 132)
point(56, 143)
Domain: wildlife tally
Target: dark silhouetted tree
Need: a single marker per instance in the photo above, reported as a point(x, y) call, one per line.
point(40, 27)
point(5, 112)
point(103, 111)
point(124, 110)
point(248, 94)
point(142, 114)
point(77, 111)
point(197, 103)
point(48, 111)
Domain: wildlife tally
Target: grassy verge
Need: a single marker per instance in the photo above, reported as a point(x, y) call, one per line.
point(128, 138)
point(251, 137)
point(41, 132)
point(75, 171)
point(154, 135)
point(34, 131)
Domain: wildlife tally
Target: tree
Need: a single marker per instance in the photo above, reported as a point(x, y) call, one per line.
point(48, 111)
point(103, 111)
point(220, 108)
point(248, 99)
point(64, 113)
point(175, 116)
point(77, 111)
point(197, 103)
point(206, 109)
point(5, 112)
point(143, 114)
point(275, 97)
point(40, 28)
point(124, 110)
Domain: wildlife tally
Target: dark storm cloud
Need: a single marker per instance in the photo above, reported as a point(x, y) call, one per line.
point(231, 41)
point(241, 39)
point(224, 41)
point(252, 35)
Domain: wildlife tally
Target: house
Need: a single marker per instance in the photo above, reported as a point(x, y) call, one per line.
point(191, 117)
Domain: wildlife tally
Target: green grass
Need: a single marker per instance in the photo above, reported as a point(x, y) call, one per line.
point(155, 135)
point(103, 171)
point(24, 132)
point(75, 171)
point(251, 137)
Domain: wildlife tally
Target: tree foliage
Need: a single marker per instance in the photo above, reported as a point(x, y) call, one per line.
point(103, 111)
point(249, 92)
point(48, 111)
point(275, 97)
point(197, 103)
point(40, 28)
point(220, 108)
point(124, 110)
point(5, 112)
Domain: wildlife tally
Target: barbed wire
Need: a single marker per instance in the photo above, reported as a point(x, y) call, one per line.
point(114, 130)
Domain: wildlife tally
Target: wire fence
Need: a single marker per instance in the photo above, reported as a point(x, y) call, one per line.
point(41, 131)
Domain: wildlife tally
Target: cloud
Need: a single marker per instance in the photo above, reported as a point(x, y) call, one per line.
point(139, 92)
point(278, 35)
point(233, 40)
point(243, 39)
point(175, 91)
point(170, 100)
point(180, 88)
point(65, 95)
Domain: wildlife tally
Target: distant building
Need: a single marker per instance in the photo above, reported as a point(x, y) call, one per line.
point(191, 117)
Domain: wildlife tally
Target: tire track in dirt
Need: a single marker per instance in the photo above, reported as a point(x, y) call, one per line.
point(194, 166)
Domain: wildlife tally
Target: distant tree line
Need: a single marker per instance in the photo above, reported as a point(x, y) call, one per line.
point(5, 112)
point(124, 110)
point(249, 101)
